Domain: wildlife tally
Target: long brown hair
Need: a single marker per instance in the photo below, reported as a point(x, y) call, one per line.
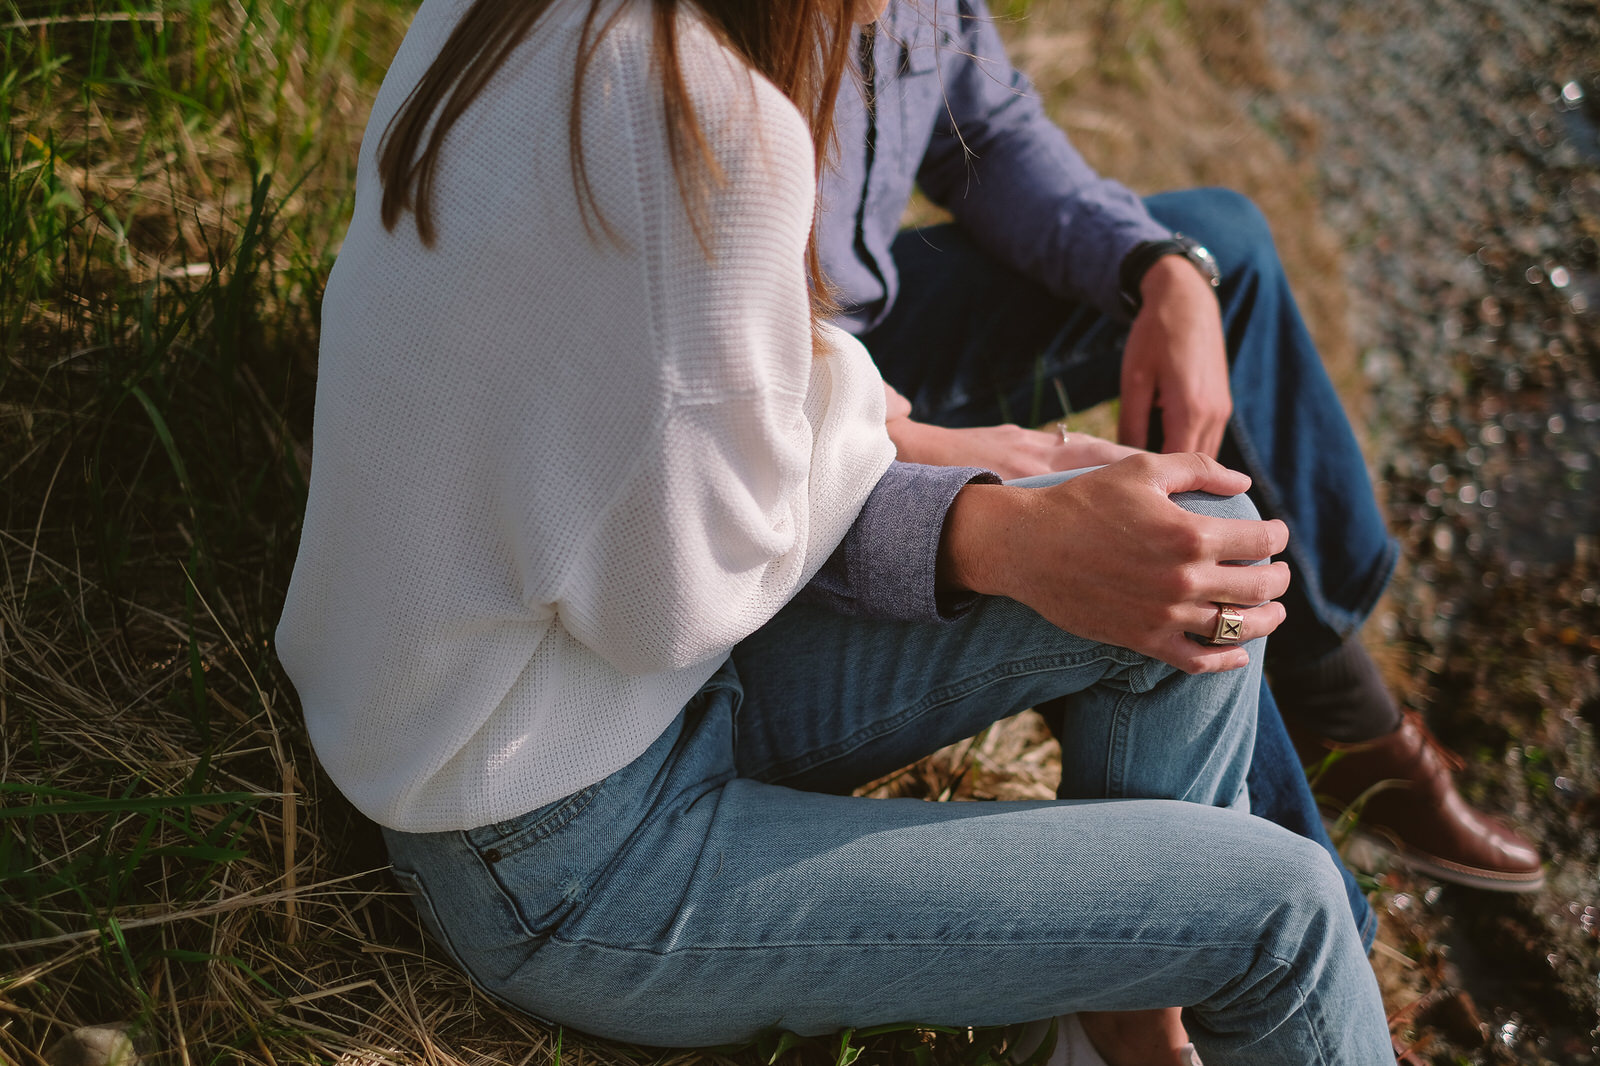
point(801, 46)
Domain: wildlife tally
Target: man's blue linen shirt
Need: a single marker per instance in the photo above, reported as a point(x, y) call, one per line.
point(954, 116)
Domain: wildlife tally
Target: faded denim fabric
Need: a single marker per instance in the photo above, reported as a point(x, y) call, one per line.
point(725, 884)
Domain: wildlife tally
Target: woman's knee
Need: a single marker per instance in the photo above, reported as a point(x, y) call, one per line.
point(1312, 895)
point(1297, 918)
point(1205, 503)
point(1306, 924)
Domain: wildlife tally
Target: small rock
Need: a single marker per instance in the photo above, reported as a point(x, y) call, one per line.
point(94, 1045)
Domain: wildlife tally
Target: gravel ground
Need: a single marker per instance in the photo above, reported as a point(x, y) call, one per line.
point(1458, 149)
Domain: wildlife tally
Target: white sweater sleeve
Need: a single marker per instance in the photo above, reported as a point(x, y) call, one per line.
point(766, 449)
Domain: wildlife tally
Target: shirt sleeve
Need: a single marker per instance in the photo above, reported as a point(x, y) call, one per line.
point(770, 437)
point(1015, 182)
point(886, 566)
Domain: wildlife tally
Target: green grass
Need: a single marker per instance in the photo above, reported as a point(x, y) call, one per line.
point(175, 178)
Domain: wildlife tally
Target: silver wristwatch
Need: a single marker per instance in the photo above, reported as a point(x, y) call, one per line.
point(1137, 263)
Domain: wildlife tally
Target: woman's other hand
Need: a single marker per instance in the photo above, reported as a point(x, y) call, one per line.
point(1109, 556)
point(1008, 450)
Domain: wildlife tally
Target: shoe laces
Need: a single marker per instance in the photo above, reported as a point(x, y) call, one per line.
point(1455, 762)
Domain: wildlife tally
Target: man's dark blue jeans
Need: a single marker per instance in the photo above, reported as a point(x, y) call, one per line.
point(970, 343)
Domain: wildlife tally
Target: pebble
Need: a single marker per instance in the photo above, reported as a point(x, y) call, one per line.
point(94, 1045)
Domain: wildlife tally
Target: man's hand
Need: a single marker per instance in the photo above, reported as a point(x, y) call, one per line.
point(1175, 360)
point(1110, 557)
point(1008, 450)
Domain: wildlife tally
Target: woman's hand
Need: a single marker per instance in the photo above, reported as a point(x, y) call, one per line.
point(1110, 557)
point(1008, 450)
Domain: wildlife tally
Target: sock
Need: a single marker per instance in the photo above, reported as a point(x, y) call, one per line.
point(1340, 696)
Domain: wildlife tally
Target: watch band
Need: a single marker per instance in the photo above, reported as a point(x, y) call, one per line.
point(1137, 263)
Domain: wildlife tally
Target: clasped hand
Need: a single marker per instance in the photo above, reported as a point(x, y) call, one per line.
point(1109, 556)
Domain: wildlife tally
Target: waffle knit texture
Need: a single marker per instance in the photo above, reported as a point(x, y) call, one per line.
point(556, 478)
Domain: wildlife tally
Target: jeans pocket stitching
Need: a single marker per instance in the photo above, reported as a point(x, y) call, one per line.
point(520, 838)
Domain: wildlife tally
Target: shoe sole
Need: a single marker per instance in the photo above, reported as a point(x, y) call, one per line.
point(1369, 850)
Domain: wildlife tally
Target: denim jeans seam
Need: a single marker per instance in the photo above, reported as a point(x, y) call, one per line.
point(1318, 1025)
point(878, 945)
point(534, 932)
point(1314, 1030)
point(1116, 778)
point(597, 878)
point(423, 898)
point(545, 828)
point(1368, 931)
point(1378, 582)
point(944, 696)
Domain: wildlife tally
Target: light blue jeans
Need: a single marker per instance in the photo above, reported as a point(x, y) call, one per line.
point(725, 883)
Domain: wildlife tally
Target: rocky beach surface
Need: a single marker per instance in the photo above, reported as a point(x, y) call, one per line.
point(1457, 148)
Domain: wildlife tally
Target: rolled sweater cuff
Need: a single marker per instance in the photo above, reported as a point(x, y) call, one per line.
point(887, 564)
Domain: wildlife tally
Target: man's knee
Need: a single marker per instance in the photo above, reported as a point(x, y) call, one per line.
point(1228, 223)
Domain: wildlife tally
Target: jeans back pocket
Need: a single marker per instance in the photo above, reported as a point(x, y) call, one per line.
point(437, 932)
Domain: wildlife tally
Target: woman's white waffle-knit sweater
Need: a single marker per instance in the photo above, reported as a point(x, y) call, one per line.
point(554, 480)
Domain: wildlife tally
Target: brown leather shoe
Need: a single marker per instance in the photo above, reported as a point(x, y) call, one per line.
point(1412, 806)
